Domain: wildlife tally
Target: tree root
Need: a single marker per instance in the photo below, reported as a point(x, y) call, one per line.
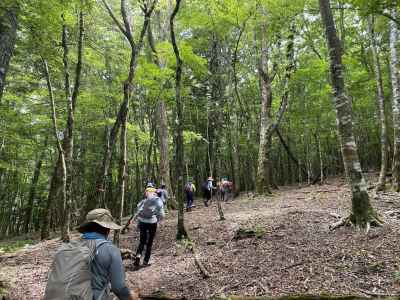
point(197, 261)
point(373, 220)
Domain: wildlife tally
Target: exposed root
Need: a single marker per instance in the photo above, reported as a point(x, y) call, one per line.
point(374, 220)
point(200, 265)
point(197, 261)
point(341, 222)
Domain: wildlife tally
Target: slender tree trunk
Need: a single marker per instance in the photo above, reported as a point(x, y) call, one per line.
point(98, 197)
point(381, 105)
point(262, 180)
point(59, 177)
point(66, 148)
point(32, 190)
point(8, 36)
point(394, 70)
point(121, 178)
point(362, 212)
point(181, 231)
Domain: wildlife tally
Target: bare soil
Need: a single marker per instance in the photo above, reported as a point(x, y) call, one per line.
point(293, 252)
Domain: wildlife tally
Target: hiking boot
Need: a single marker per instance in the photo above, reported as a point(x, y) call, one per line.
point(136, 262)
point(146, 264)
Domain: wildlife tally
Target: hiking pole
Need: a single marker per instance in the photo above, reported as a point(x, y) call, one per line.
point(125, 228)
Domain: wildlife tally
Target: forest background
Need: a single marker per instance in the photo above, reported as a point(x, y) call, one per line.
point(99, 97)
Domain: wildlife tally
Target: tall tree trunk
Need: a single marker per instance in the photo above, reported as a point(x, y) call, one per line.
point(362, 212)
point(394, 70)
point(121, 178)
point(162, 124)
point(163, 137)
point(59, 177)
point(32, 189)
point(66, 149)
point(8, 36)
point(179, 156)
point(262, 180)
point(98, 197)
point(381, 106)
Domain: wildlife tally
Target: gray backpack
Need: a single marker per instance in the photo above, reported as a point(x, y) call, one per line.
point(70, 276)
point(148, 207)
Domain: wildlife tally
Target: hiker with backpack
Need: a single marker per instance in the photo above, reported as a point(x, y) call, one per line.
point(190, 189)
point(85, 268)
point(163, 194)
point(225, 187)
point(208, 190)
point(150, 211)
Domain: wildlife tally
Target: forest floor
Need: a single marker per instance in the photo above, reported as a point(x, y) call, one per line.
point(293, 252)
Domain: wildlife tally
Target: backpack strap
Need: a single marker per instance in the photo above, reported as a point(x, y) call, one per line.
point(98, 245)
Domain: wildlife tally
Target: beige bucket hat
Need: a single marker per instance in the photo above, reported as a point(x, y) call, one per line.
point(102, 217)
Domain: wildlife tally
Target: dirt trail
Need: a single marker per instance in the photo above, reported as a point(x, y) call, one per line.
point(296, 254)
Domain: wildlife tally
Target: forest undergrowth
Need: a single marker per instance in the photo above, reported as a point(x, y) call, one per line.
point(289, 249)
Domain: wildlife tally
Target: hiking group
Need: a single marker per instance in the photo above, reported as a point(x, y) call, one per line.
point(91, 267)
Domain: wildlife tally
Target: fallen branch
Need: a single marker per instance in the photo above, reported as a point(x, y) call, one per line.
point(375, 294)
point(294, 265)
point(335, 215)
point(199, 264)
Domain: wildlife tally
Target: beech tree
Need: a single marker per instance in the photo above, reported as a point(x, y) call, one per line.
point(363, 215)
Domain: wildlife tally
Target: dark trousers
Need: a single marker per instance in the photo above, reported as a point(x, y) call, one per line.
point(147, 233)
point(189, 199)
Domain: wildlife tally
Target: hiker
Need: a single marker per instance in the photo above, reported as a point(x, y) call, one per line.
point(225, 187)
point(85, 268)
point(208, 190)
point(150, 211)
point(163, 194)
point(190, 189)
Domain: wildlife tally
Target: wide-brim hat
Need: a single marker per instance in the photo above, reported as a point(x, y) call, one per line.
point(101, 217)
point(210, 178)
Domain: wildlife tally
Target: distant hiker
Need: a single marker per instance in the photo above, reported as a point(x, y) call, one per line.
point(208, 190)
point(149, 212)
point(225, 187)
point(84, 268)
point(190, 189)
point(163, 194)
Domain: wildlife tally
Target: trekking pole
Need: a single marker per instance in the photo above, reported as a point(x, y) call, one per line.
point(125, 228)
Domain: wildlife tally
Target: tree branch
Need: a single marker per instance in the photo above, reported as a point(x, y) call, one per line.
point(112, 15)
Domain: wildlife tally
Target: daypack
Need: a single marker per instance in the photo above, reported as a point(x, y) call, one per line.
point(70, 277)
point(189, 187)
point(148, 207)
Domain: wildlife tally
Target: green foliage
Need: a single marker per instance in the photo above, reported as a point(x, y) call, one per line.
point(12, 246)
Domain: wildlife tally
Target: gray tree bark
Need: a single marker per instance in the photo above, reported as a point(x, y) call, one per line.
point(394, 72)
point(380, 98)
point(262, 180)
point(363, 215)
